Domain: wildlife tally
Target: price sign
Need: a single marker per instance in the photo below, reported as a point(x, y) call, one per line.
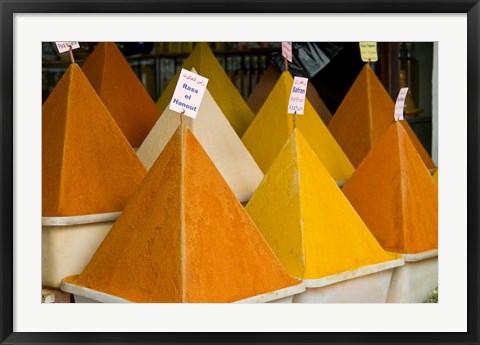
point(296, 104)
point(65, 46)
point(368, 51)
point(188, 93)
point(287, 51)
point(400, 104)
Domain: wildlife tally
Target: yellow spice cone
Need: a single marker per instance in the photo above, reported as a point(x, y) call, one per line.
point(184, 237)
point(435, 177)
point(395, 195)
point(272, 126)
point(88, 166)
point(362, 117)
point(267, 83)
point(307, 220)
point(121, 91)
point(219, 84)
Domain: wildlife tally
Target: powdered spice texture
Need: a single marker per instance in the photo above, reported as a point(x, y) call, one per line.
point(184, 238)
point(395, 195)
point(121, 91)
point(272, 126)
point(307, 220)
point(266, 84)
point(362, 117)
point(218, 139)
point(219, 84)
point(88, 166)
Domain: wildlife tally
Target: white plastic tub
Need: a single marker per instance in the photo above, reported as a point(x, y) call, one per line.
point(85, 295)
point(280, 296)
point(367, 284)
point(413, 282)
point(68, 244)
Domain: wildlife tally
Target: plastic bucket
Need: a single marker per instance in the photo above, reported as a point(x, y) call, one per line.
point(413, 282)
point(68, 244)
point(367, 284)
point(85, 295)
point(279, 296)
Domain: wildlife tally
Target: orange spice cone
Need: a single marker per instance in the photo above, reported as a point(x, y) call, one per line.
point(219, 84)
point(263, 88)
point(362, 117)
point(88, 167)
point(121, 91)
point(272, 126)
point(395, 195)
point(418, 145)
point(184, 238)
point(266, 84)
point(219, 140)
point(306, 218)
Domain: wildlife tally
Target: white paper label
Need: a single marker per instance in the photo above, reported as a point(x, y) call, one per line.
point(400, 104)
point(296, 104)
point(65, 46)
point(287, 51)
point(188, 93)
point(368, 51)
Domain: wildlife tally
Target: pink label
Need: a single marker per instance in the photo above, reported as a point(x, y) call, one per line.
point(400, 104)
point(287, 50)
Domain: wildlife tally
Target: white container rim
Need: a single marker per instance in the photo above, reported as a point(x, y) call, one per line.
point(107, 298)
point(361, 271)
point(84, 219)
point(275, 295)
point(91, 294)
point(420, 256)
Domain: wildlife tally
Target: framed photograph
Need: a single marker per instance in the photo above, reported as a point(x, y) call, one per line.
point(451, 27)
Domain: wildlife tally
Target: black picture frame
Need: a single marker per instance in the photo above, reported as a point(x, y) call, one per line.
point(10, 7)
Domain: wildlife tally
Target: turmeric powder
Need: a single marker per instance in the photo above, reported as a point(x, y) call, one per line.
point(88, 166)
point(394, 193)
point(266, 84)
point(362, 117)
point(121, 91)
point(174, 241)
point(307, 220)
point(272, 126)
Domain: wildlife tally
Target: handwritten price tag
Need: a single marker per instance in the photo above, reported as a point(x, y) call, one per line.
point(296, 104)
point(287, 51)
point(65, 46)
point(188, 93)
point(400, 104)
point(368, 51)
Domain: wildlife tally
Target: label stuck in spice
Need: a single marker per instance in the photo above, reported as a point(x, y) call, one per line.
point(368, 51)
point(400, 104)
point(296, 103)
point(188, 93)
point(65, 46)
point(287, 51)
